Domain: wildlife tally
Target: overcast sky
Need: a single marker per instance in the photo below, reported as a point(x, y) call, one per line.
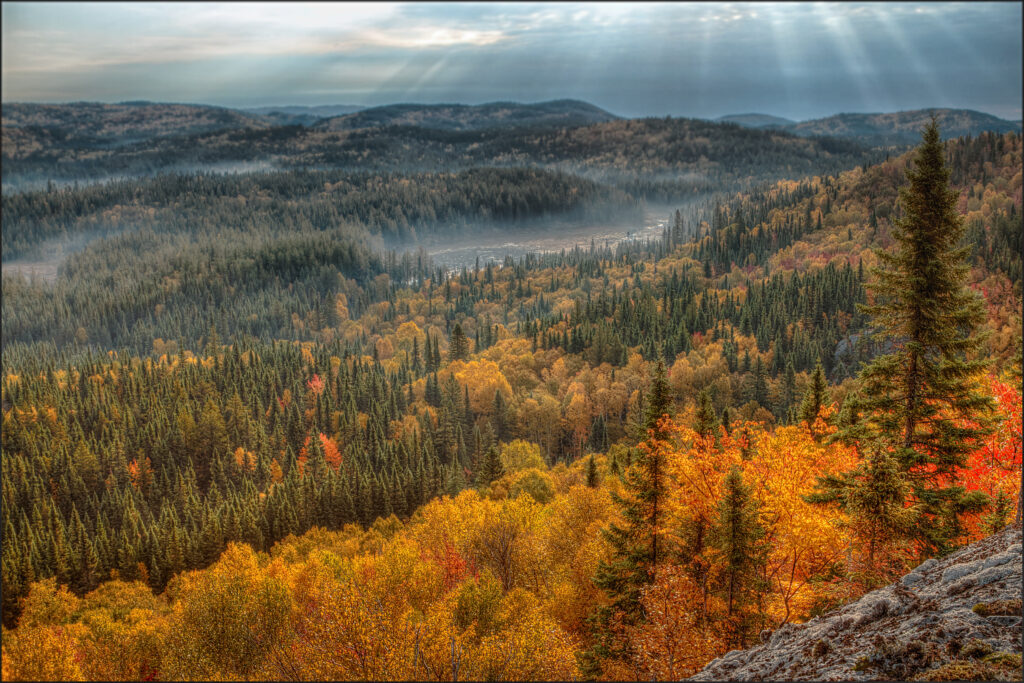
point(798, 60)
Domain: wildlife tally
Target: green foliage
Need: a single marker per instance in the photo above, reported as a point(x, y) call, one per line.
point(739, 537)
point(592, 477)
point(915, 399)
point(659, 402)
point(491, 468)
point(705, 422)
point(815, 397)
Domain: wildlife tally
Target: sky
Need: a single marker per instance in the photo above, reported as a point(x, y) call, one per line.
point(796, 60)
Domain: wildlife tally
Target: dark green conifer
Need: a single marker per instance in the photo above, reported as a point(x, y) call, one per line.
point(740, 539)
point(490, 468)
point(705, 421)
point(458, 345)
point(591, 472)
point(874, 495)
point(921, 400)
point(636, 546)
point(658, 402)
point(814, 398)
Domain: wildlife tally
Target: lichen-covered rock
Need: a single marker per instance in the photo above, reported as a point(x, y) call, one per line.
point(915, 627)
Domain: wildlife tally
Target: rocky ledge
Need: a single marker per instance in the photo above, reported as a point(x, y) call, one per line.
point(958, 618)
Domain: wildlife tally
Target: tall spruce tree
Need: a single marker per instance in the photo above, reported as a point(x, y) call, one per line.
point(814, 397)
point(740, 539)
point(592, 479)
point(922, 400)
point(490, 468)
point(659, 401)
point(635, 545)
point(458, 345)
point(705, 420)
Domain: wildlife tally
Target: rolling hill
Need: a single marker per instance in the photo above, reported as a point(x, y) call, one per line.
point(757, 120)
point(901, 128)
point(32, 127)
point(291, 115)
point(904, 127)
point(472, 117)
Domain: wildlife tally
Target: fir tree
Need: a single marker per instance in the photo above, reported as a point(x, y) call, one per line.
point(922, 399)
point(591, 472)
point(740, 539)
point(705, 421)
point(458, 345)
point(874, 495)
point(635, 545)
point(658, 401)
point(760, 383)
point(490, 469)
point(788, 389)
point(814, 398)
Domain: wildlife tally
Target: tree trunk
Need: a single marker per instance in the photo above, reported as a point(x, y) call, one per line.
point(908, 432)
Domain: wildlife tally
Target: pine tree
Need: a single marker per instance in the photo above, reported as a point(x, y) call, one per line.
point(922, 399)
point(814, 398)
point(705, 421)
point(740, 539)
point(458, 345)
point(635, 546)
point(874, 496)
point(591, 472)
point(490, 469)
point(658, 402)
point(788, 389)
point(760, 383)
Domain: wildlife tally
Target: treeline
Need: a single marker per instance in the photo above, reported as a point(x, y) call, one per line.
point(659, 321)
point(126, 291)
point(668, 158)
point(394, 206)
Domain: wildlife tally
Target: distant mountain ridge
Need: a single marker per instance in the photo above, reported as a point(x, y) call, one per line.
point(757, 120)
point(882, 129)
point(472, 117)
point(290, 115)
point(138, 119)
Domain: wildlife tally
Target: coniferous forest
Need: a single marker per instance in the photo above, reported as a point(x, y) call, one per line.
point(253, 430)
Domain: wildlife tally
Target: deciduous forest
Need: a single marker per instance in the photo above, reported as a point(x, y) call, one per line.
point(249, 434)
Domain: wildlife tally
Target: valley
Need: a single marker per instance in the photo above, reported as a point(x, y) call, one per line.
point(490, 350)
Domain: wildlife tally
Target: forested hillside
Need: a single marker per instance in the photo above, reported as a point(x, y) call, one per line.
point(662, 159)
point(559, 113)
point(241, 441)
point(895, 129)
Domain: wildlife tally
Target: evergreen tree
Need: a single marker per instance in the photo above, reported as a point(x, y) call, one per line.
point(635, 546)
point(490, 469)
point(788, 389)
point(705, 421)
point(740, 539)
point(760, 383)
point(458, 345)
point(814, 398)
point(874, 496)
point(591, 472)
point(658, 401)
point(922, 400)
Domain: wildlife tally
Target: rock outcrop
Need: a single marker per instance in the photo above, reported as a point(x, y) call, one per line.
point(958, 618)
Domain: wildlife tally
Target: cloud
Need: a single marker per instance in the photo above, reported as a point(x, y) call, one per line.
point(698, 59)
